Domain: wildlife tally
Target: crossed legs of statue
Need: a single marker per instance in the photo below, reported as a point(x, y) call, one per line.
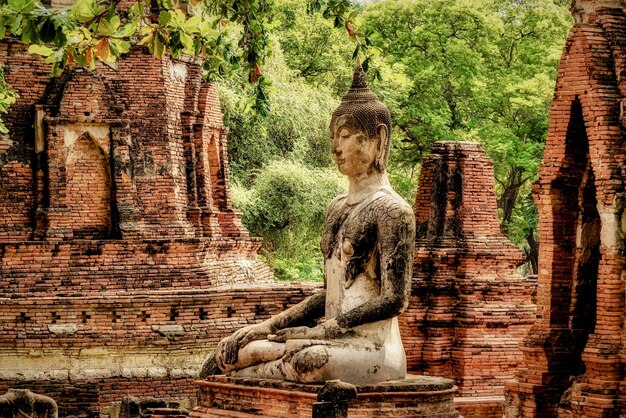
point(356, 360)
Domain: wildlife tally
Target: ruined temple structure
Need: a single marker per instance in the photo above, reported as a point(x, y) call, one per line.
point(574, 356)
point(122, 261)
point(468, 310)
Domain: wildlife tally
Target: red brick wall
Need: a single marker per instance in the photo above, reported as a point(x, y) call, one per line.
point(579, 333)
point(159, 113)
point(125, 318)
point(29, 78)
point(85, 267)
point(86, 398)
point(89, 185)
point(123, 323)
point(109, 235)
point(469, 310)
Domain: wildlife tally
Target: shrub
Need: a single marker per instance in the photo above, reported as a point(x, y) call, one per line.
point(286, 205)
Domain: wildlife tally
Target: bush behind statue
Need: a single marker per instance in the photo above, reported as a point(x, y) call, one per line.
point(286, 206)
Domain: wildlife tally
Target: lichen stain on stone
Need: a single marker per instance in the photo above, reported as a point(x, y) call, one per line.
point(310, 359)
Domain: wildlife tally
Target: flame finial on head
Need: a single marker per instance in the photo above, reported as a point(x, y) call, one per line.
point(359, 91)
point(358, 79)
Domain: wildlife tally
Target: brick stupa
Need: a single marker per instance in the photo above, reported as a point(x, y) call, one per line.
point(469, 310)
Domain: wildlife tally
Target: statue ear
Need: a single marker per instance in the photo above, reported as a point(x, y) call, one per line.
point(382, 134)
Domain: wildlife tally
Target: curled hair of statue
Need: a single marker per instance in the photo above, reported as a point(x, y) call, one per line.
point(367, 111)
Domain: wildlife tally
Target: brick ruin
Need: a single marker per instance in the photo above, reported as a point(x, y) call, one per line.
point(123, 263)
point(574, 354)
point(120, 253)
point(469, 310)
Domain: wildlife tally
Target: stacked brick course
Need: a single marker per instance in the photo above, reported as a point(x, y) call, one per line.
point(574, 354)
point(417, 396)
point(468, 310)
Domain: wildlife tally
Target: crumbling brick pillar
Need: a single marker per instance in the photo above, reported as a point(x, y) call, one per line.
point(574, 353)
point(469, 309)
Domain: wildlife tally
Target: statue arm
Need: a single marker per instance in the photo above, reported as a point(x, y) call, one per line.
point(304, 312)
point(309, 309)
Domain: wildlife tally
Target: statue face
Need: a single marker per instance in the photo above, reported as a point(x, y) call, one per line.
point(354, 151)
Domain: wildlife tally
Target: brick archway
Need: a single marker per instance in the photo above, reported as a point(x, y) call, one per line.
point(89, 189)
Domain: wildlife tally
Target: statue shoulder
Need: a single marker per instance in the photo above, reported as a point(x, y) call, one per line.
point(392, 200)
point(335, 202)
point(392, 206)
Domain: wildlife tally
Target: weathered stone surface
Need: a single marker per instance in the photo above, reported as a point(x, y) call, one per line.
point(22, 403)
point(367, 244)
point(574, 353)
point(332, 400)
point(335, 391)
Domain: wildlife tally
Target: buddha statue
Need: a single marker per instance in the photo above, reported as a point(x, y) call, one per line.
point(367, 243)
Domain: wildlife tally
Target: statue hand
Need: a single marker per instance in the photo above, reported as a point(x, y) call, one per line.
point(325, 331)
point(297, 333)
point(228, 349)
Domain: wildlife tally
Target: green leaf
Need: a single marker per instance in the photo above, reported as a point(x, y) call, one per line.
point(84, 10)
point(108, 27)
point(42, 50)
point(118, 46)
point(127, 30)
point(187, 42)
point(48, 31)
point(164, 17)
point(81, 60)
point(366, 64)
point(56, 57)
point(16, 24)
point(356, 52)
point(24, 6)
point(158, 48)
point(193, 24)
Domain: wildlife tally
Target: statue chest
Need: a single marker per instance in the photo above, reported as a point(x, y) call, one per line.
point(351, 266)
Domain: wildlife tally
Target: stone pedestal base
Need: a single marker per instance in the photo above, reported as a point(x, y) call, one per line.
point(415, 396)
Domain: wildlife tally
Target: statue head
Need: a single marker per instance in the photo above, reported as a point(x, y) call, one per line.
point(368, 121)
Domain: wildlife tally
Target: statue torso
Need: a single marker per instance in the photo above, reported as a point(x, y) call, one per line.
point(351, 258)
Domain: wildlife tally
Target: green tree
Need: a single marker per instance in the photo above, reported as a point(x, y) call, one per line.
point(313, 48)
point(295, 130)
point(281, 168)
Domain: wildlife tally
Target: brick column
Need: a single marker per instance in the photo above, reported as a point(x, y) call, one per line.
point(56, 213)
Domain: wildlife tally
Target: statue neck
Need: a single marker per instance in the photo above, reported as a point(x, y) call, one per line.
point(364, 186)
